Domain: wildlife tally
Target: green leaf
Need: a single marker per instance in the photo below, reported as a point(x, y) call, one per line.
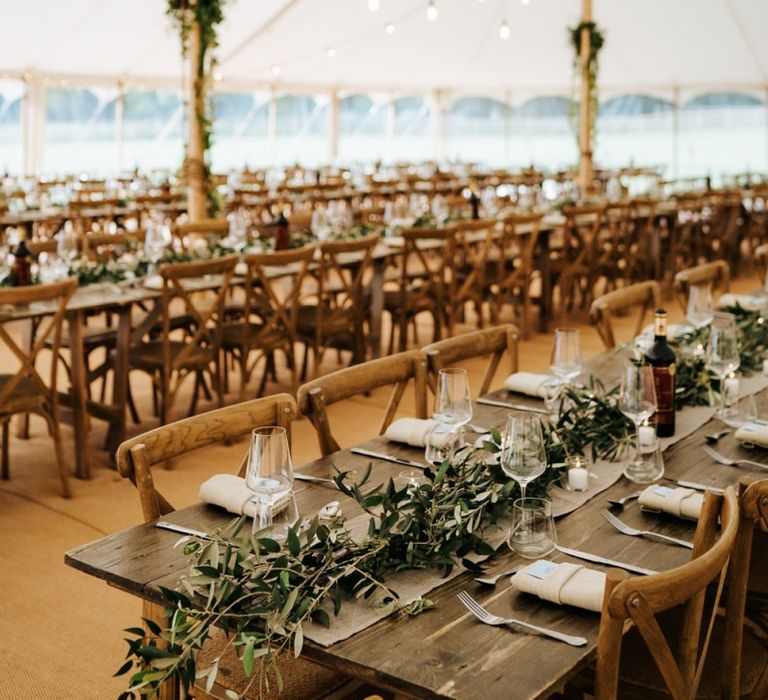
point(298, 641)
point(294, 546)
point(269, 545)
point(124, 668)
point(247, 658)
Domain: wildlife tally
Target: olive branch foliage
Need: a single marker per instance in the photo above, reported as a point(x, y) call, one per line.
point(262, 593)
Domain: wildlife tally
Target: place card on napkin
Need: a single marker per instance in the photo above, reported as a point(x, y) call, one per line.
point(230, 492)
point(411, 431)
point(680, 502)
point(748, 302)
point(564, 584)
point(527, 383)
point(755, 432)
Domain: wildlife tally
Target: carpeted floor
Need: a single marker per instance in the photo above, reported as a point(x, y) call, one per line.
point(60, 630)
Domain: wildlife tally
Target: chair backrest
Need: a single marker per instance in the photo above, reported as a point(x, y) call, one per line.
point(395, 370)
point(753, 512)
point(428, 253)
point(645, 295)
point(200, 229)
point(473, 243)
point(495, 342)
point(519, 238)
point(582, 231)
point(94, 244)
point(715, 273)
point(178, 283)
point(640, 599)
point(48, 331)
point(137, 456)
point(272, 295)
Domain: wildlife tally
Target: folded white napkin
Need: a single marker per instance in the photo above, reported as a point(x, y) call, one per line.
point(527, 383)
point(411, 431)
point(748, 302)
point(756, 433)
point(683, 503)
point(564, 584)
point(241, 269)
point(153, 282)
point(230, 492)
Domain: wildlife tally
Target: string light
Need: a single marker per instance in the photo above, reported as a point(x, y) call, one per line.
point(390, 28)
point(431, 11)
point(217, 76)
point(275, 70)
point(373, 5)
point(331, 52)
point(525, 2)
point(504, 30)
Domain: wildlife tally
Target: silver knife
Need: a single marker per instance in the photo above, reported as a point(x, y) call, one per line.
point(586, 556)
point(313, 479)
point(387, 458)
point(514, 406)
point(165, 525)
point(698, 487)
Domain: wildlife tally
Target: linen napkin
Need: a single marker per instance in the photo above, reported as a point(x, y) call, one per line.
point(411, 431)
point(756, 433)
point(527, 383)
point(230, 492)
point(683, 503)
point(748, 302)
point(153, 282)
point(564, 584)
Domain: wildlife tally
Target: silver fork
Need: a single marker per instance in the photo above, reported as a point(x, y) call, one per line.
point(490, 619)
point(475, 428)
point(714, 454)
point(648, 534)
point(626, 499)
point(491, 580)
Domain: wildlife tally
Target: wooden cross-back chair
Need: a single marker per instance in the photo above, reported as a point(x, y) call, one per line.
point(582, 262)
point(641, 600)
point(473, 244)
point(727, 226)
point(424, 282)
point(168, 360)
point(206, 229)
point(395, 370)
point(512, 266)
point(273, 288)
point(337, 318)
point(643, 295)
point(643, 246)
point(25, 391)
point(97, 246)
point(686, 239)
point(716, 274)
point(496, 342)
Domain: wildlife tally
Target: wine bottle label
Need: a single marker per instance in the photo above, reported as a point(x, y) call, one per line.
point(664, 380)
point(660, 325)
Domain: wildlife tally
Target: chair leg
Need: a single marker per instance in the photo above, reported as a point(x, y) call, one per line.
point(132, 404)
point(55, 432)
point(5, 459)
point(305, 362)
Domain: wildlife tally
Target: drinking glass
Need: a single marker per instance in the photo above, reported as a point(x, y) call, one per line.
point(523, 457)
point(723, 353)
point(442, 442)
point(66, 243)
point(453, 399)
point(533, 533)
point(270, 477)
point(699, 312)
point(566, 354)
point(637, 401)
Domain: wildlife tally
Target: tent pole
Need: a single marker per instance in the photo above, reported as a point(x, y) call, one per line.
point(119, 124)
point(33, 123)
point(766, 128)
point(389, 156)
point(272, 129)
point(333, 134)
point(585, 132)
point(676, 133)
point(195, 156)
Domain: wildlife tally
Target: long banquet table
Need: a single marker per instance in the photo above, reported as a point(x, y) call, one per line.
point(446, 652)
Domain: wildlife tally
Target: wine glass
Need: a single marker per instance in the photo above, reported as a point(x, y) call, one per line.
point(637, 401)
point(566, 354)
point(723, 353)
point(66, 243)
point(270, 476)
point(523, 457)
point(699, 312)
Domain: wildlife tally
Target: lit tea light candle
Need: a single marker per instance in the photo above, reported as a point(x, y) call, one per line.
point(647, 435)
point(578, 474)
point(765, 366)
point(731, 390)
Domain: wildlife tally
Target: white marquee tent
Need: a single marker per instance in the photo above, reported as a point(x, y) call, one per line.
point(652, 45)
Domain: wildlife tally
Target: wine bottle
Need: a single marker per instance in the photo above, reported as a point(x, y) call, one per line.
point(282, 233)
point(661, 357)
point(22, 269)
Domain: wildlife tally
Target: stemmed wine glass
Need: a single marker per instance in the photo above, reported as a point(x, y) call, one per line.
point(270, 476)
point(637, 401)
point(699, 312)
point(453, 409)
point(566, 354)
point(723, 355)
point(523, 457)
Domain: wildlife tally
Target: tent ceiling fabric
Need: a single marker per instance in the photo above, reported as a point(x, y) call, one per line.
point(652, 45)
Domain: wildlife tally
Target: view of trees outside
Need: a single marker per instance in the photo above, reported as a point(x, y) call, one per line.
point(718, 133)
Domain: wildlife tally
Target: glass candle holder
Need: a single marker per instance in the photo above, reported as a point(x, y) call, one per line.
point(577, 473)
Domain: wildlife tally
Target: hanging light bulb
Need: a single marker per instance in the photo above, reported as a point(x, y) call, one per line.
point(373, 5)
point(331, 52)
point(431, 11)
point(275, 70)
point(525, 2)
point(504, 30)
point(390, 28)
point(217, 76)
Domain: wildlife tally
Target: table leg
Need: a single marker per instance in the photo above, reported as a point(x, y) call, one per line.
point(377, 306)
point(116, 432)
point(78, 395)
point(545, 307)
